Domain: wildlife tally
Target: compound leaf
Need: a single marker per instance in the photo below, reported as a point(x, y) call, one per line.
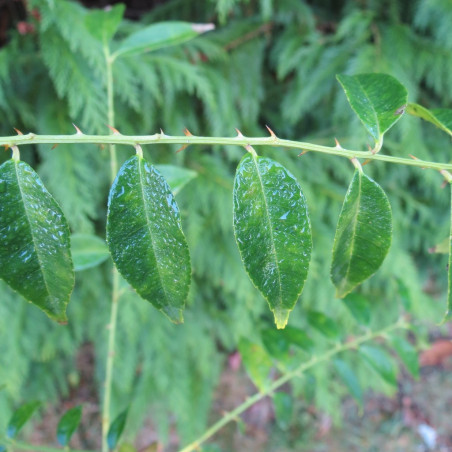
point(272, 231)
point(379, 100)
point(35, 256)
point(68, 425)
point(145, 237)
point(159, 35)
point(88, 251)
point(363, 234)
point(116, 429)
point(20, 418)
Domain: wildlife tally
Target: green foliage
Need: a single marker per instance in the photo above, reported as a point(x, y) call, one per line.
point(68, 425)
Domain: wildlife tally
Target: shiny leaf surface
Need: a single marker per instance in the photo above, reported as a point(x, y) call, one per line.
point(440, 117)
point(272, 231)
point(145, 237)
point(363, 234)
point(257, 363)
point(349, 378)
point(377, 99)
point(20, 418)
point(176, 176)
point(116, 429)
point(381, 361)
point(35, 256)
point(68, 425)
point(160, 35)
point(88, 251)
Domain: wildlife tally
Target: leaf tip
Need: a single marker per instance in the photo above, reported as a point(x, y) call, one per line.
point(281, 317)
point(174, 314)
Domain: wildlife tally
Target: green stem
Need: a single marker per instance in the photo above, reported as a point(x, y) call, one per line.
point(115, 275)
point(232, 415)
point(160, 138)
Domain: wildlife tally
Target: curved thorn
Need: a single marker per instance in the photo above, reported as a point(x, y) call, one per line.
point(239, 134)
point(18, 131)
point(162, 133)
point(338, 145)
point(272, 134)
point(54, 146)
point(302, 153)
point(115, 132)
point(78, 131)
point(187, 133)
point(413, 157)
point(185, 146)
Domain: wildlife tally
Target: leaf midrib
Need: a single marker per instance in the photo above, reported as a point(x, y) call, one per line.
point(372, 108)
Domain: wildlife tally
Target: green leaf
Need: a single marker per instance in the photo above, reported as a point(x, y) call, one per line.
point(176, 176)
point(298, 338)
point(283, 405)
point(88, 251)
point(272, 231)
point(363, 234)
point(404, 294)
point(440, 117)
point(160, 35)
point(359, 307)
point(381, 361)
point(102, 24)
point(377, 99)
point(257, 363)
point(20, 418)
point(127, 447)
point(448, 314)
point(68, 425)
point(407, 354)
point(116, 429)
point(35, 256)
point(145, 237)
point(323, 324)
point(347, 375)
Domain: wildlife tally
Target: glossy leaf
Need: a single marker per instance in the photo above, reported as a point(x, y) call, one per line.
point(116, 429)
point(448, 314)
point(103, 23)
point(272, 231)
point(359, 307)
point(440, 117)
point(145, 237)
point(68, 425)
point(35, 256)
point(323, 324)
point(363, 234)
point(381, 361)
point(176, 176)
point(377, 99)
point(257, 363)
point(160, 35)
point(407, 354)
point(20, 418)
point(347, 375)
point(88, 251)
point(283, 405)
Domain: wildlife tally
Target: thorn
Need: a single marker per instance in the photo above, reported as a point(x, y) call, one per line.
point(187, 133)
point(413, 157)
point(366, 162)
point(302, 153)
point(78, 131)
point(6, 146)
point(54, 146)
point(162, 133)
point(115, 132)
point(18, 131)
point(239, 134)
point(185, 146)
point(338, 146)
point(272, 134)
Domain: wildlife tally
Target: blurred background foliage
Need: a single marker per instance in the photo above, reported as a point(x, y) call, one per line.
point(267, 62)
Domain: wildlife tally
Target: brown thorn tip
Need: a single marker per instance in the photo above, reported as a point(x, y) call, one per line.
point(115, 132)
point(337, 143)
point(187, 133)
point(78, 131)
point(366, 162)
point(302, 153)
point(413, 157)
point(18, 131)
point(54, 146)
point(239, 134)
point(272, 134)
point(185, 146)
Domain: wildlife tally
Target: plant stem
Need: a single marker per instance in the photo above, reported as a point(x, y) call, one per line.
point(115, 275)
point(161, 138)
point(232, 415)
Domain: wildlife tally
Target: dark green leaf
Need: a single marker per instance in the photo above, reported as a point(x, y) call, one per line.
point(381, 361)
point(145, 237)
point(377, 99)
point(359, 307)
point(407, 354)
point(20, 418)
point(257, 363)
point(102, 24)
point(68, 425)
point(159, 35)
point(440, 117)
point(116, 429)
point(347, 375)
point(272, 230)
point(363, 234)
point(323, 324)
point(275, 342)
point(283, 405)
point(35, 256)
point(298, 337)
point(448, 314)
point(88, 251)
point(176, 176)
